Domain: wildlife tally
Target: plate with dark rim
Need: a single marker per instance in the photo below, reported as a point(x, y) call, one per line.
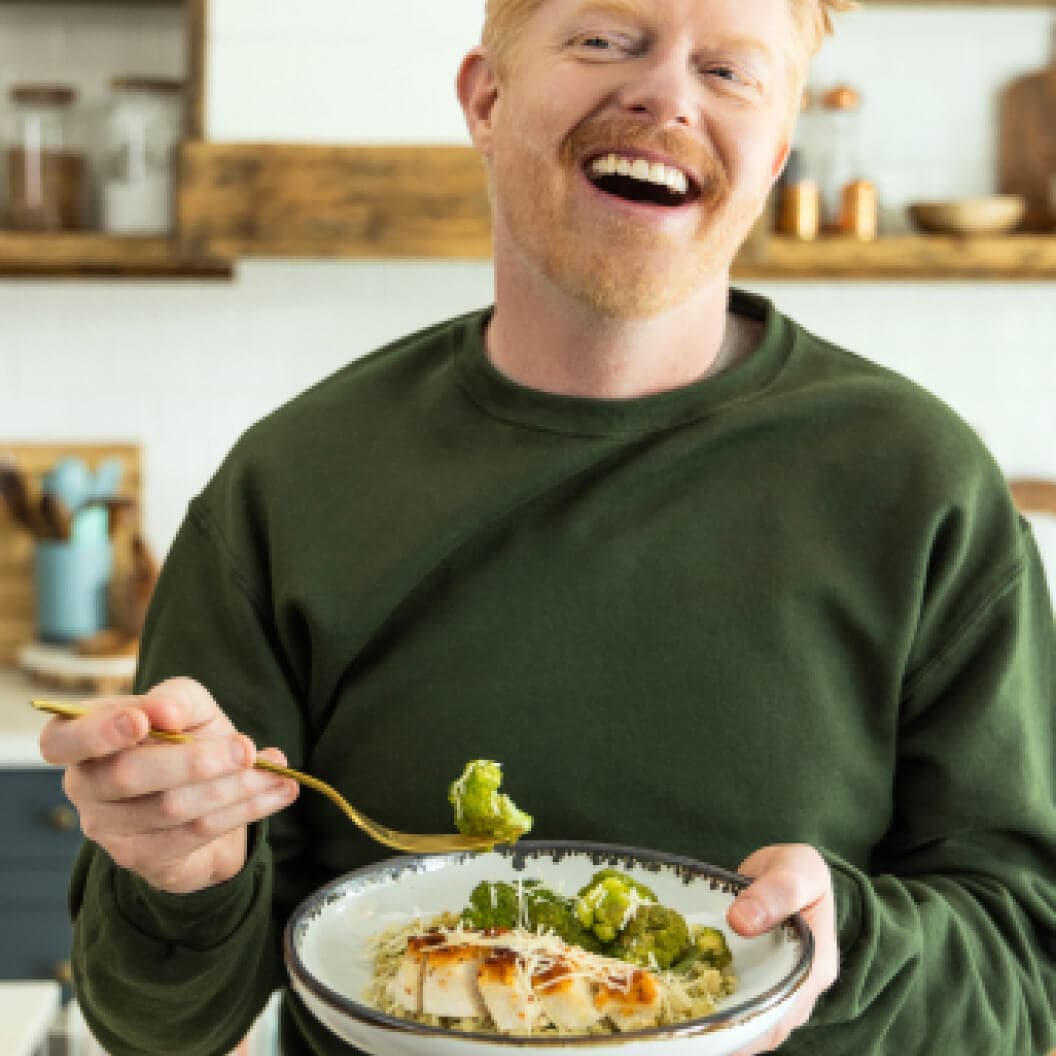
point(328, 948)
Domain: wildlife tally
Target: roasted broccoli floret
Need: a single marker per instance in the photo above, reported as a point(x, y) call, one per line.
point(607, 904)
point(655, 937)
point(710, 945)
point(707, 946)
point(498, 905)
point(480, 810)
point(491, 905)
point(550, 912)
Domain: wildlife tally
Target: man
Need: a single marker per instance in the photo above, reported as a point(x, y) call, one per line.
point(700, 580)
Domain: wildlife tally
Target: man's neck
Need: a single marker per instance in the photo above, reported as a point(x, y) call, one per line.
point(547, 341)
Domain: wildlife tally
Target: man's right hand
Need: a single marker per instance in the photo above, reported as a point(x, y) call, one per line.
point(176, 814)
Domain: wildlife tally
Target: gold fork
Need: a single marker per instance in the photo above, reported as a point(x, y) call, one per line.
point(415, 843)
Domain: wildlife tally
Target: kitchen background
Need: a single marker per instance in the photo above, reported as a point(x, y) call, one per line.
point(181, 367)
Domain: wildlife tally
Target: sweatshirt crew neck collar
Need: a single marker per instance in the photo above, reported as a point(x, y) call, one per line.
point(506, 399)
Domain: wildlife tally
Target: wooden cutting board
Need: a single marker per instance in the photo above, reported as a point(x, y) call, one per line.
point(17, 611)
point(1027, 146)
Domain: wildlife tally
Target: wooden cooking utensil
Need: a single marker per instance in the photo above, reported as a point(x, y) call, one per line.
point(15, 494)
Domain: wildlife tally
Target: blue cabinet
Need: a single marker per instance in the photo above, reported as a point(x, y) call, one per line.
point(39, 838)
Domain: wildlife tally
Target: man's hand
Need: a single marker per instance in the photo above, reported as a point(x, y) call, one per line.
point(176, 814)
point(790, 878)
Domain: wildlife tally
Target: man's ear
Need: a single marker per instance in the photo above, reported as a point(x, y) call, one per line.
point(478, 92)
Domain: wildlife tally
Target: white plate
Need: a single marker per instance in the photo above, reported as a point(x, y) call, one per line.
point(329, 961)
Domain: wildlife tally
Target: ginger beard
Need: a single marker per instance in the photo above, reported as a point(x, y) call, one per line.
point(615, 264)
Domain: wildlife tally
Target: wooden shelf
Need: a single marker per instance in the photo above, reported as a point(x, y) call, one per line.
point(70, 255)
point(1010, 257)
point(274, 200)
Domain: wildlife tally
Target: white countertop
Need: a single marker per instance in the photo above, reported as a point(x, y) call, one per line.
point(20, 725)
point(26, 1012)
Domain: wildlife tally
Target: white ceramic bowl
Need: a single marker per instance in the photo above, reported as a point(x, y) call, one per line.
point(327, 948)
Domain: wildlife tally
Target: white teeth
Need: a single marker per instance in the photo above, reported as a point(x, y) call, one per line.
point(640, 169)
point(676, 180)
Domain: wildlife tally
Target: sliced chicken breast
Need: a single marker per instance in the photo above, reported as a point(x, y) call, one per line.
point(506, 990)
point(567, 997)
point(633, 1004)
point(449, 982)
point(406, 988)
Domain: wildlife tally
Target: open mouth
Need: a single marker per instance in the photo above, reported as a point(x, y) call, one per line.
point(639, 180)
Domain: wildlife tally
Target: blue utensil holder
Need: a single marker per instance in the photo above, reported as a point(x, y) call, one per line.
point(72, 583)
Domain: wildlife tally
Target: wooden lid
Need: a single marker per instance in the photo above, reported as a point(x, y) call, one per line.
point(53, 94)
point(157, 85)
point(842, 97)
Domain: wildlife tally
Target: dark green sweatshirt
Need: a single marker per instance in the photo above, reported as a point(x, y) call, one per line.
point(789, 603)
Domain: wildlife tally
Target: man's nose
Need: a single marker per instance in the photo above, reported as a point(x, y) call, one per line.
point(666, 90)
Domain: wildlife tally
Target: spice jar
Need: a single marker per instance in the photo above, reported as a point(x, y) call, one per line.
point(143, 128)
point(849, 201)
point(798, 212)
point(45, 177)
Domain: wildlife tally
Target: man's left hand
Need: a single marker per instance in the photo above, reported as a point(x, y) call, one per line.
point(787, 879)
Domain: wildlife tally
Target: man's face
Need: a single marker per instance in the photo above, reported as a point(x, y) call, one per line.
point(632, 143)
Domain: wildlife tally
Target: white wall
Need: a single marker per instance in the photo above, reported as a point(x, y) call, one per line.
point(184, 367)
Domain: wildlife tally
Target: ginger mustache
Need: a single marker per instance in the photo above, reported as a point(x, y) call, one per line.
point(709, 183)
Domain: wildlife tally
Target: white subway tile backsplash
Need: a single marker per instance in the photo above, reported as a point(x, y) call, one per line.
point(317, 94)
point(87, 44)
point(336, 88)
point(279, 20)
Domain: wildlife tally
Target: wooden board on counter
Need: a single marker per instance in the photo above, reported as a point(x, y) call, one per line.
point(274, 200)
point(1027, 146)
point(17, 614)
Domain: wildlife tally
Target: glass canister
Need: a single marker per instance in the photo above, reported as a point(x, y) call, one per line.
point(849, 201)
point(46, 177)
point(798, 194)
point(144, 125)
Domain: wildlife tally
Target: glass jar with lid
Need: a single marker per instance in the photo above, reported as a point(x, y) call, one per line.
point(143, 127)
point(46, 177)
point(848, 200)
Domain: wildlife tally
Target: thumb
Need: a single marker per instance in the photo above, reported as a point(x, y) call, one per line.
point(751, 913)
point(787, 880)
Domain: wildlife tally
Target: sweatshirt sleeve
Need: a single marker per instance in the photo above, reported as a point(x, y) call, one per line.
point(950, 941)
point(188, 974)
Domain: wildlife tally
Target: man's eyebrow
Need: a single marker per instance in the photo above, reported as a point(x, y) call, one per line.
point(639, 10)
point(745, 42)
point(634, 9)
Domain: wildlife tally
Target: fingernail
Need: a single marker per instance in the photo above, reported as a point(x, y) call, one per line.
point(125, 726)
point(751, 913)
point(238, 753)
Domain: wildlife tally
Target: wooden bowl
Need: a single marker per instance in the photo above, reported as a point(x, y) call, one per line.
point(993, 215)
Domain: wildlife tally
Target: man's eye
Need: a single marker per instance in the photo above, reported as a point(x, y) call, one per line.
point(726, 73)
point(603, 44)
